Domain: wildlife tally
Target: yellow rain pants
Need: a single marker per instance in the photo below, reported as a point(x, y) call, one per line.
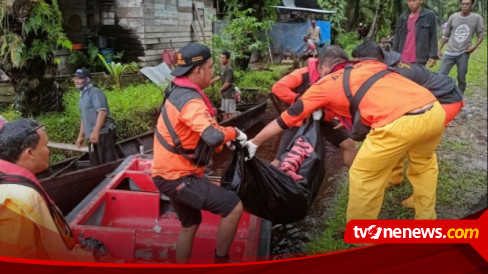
point(414, 135)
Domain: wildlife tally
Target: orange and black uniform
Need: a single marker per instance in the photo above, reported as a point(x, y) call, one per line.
point(178, 177)
point(389, 108)
point(442, 87)
point(292, 86)
point(289, 89)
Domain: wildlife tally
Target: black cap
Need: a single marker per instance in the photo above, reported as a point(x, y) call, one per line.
point(390, 58)
point(83, 73)
point(189, 56)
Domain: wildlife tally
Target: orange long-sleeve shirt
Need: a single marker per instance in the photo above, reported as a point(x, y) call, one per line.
point(388, 99)
point(284, 88)
point(190, 119)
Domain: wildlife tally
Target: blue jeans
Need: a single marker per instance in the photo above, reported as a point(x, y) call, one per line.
point(461, 62)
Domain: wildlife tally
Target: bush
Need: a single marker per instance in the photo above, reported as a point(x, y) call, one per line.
point(134, 110)
point(262, 80)
point(241, 37)
point(349, 41)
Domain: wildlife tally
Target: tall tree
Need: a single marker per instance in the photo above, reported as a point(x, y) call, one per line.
point(262, 10)
point(338, 20)
point(30, 31)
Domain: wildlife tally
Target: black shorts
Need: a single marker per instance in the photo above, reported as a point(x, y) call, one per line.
point(334, 136)
point(191, 194)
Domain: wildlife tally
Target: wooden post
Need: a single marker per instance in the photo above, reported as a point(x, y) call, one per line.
point(195, 11)
point(195, 31)
point(269, 47)
point(67, 147)
point(6, 92)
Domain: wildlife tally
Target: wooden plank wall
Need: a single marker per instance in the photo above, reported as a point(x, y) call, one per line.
point(156, 22)
point(6, 92)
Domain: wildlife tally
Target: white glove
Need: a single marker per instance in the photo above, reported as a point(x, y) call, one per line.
point(317, 114)
point(230, 145)
point(251, 149)
point(241, 137)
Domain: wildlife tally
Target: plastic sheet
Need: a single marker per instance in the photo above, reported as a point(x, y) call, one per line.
point(288, 37)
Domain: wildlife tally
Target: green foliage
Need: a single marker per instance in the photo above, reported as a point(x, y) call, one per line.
point(9, 112)
point(262, 10)
point(77, 59)
point(262, 80)
point(242, 36)
point(89, 60)
point(29, 34)
point(349, 41)
point(12, 49)
point(33, 36)
point(116, 69)
point(338, 19)
point(134, 111)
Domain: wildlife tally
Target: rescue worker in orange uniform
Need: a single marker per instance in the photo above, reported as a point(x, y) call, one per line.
point(289, 89)
point(442, 87)
point(404, 118)
point(185, 139)
point(31, 226)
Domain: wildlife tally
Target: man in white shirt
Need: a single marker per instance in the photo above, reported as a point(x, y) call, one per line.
point(314, 33)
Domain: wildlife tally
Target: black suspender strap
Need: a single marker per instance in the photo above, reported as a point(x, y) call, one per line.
point(347, 88)
point(177, 148)
point(6, 178)
point(356, 99)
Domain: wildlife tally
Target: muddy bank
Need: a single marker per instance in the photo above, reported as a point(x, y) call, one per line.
point(469, 132)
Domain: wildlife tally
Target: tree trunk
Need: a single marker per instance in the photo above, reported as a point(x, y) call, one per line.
point(353, 7)
point(35, 94)
point(242, 62)
point(373, 24)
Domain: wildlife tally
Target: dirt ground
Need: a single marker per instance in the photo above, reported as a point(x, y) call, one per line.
point(469, 129)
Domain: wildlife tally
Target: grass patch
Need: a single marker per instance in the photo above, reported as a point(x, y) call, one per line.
point(454, 145)
point(133, 109)
point(477, 69)
point(332, 237)
point(455, 181)
point(262, 80)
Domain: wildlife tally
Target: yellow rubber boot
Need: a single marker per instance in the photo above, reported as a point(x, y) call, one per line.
point(408, 203)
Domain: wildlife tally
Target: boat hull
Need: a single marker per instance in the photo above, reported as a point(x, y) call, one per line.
point(69, 181)
point(127, 214)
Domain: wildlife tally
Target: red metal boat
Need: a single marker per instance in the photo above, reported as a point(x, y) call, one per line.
point(128, 214)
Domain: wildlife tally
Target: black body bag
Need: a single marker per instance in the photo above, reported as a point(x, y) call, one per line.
point(304, 159)
point(265, 190)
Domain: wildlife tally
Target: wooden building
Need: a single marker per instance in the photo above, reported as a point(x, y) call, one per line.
point(140, 28)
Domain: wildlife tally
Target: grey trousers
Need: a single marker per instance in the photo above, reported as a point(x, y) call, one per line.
point(461, 61)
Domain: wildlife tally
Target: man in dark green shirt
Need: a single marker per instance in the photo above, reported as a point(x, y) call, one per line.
point(227, 90)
